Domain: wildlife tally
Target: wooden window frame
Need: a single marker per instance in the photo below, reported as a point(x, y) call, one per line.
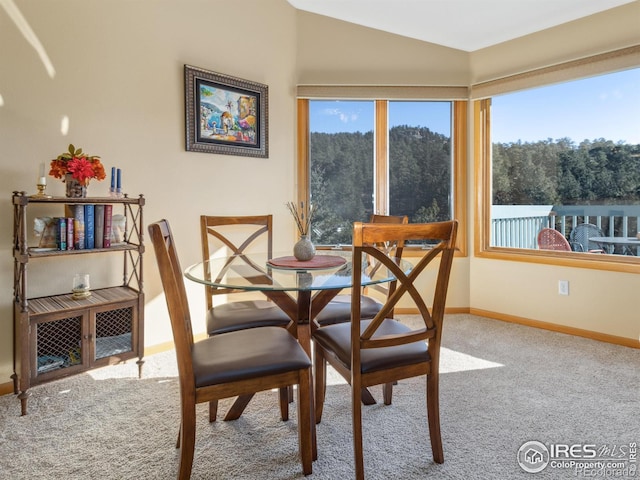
point(459, 183)
point(482, 224)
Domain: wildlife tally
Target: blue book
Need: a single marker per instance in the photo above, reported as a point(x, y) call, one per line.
point(61, 233)
point(89, 226)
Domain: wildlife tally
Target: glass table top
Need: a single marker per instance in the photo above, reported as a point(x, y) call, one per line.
point(254, 272)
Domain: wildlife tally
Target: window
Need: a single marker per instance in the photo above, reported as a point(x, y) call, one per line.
point(560, 156)
point(359, 157)
point(341, 167)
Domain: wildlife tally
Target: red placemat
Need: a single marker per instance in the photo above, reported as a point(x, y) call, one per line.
point(317, 262)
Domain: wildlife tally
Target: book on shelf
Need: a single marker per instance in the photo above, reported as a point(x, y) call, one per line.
point(61, 233)
point(70, 236)
point(108, 212)
point(89, 226)
point(99, 226)
point(78, 234)
point(78, 227)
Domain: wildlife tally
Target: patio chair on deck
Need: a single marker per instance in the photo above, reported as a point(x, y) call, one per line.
point(550, 239)
point(579, 238)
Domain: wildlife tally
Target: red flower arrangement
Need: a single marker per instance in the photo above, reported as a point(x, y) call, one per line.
point(80, 166)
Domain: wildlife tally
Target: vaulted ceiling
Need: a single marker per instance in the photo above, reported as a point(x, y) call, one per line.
point(467, 25)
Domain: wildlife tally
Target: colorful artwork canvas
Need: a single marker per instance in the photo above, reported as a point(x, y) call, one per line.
point(225, 114)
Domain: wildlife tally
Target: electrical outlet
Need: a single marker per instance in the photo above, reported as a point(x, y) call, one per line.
point(563, 287)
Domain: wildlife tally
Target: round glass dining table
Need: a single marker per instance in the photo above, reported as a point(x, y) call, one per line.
point(300, 288)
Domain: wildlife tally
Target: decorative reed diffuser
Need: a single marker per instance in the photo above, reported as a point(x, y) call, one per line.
point(304, 249)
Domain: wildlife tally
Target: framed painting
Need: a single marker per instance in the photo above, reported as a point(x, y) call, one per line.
point(225, 115)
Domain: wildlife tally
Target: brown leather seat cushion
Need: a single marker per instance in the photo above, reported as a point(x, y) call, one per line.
point(338, 339)
point(246, 354)
point(233, 316)
point(339, 310)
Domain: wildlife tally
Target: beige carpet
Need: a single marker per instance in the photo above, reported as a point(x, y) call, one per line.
point(501, 386)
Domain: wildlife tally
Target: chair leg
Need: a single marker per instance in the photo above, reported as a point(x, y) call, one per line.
point(305, 425)
point(356, 407)
point(187, 441)
point(433, 414)
point(283, 394)
point(213, 410)
point(387, 393)
point(320, 378)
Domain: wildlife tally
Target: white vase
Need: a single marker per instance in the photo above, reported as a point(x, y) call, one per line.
point(304, 249)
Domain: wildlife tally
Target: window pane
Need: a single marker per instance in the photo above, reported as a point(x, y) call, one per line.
point(420, 160)
point(564, 155)
point(341, 169)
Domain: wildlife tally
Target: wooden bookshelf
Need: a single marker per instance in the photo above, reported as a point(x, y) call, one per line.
point(56, 336)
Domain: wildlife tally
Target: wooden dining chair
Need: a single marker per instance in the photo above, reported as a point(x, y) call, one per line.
point(238, 234)
point(228, 364)
point(382, 350)
point(338, 310)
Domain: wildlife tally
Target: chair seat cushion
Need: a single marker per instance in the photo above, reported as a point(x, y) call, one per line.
point(337, 338)
point(233, 316)
point(339, 310)
point(246, 354)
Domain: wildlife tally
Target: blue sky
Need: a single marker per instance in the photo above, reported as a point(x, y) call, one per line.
point(600, 107)
point(607, 106)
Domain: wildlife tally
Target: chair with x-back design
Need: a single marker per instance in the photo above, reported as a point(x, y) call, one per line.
point(228, 364)
point(239, 235)
point(383, 350)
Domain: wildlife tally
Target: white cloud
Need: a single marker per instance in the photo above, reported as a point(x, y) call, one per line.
point(344, 117)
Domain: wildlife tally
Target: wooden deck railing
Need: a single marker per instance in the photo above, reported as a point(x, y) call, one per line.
point(521, 231)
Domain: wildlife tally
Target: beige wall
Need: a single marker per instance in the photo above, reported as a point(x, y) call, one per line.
point(119, 79)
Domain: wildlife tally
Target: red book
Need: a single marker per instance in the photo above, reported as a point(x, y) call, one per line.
point(108, 210)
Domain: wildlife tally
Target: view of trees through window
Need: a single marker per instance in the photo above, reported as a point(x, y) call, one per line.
point(343, 162)
point(574, 148)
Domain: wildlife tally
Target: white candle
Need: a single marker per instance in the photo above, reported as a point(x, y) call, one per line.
point(42, 180)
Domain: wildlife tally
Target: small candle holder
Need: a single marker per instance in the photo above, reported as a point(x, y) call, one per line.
point(116, 183)
point(41, 189)
point(81, 287)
